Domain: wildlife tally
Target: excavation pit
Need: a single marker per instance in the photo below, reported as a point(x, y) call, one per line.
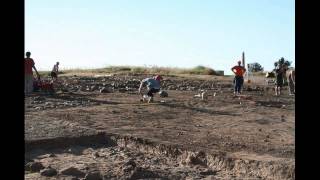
point(189, 138)
point(123, 157)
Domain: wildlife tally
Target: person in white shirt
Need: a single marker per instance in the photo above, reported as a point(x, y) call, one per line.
point(153, 86)
point(55, 71)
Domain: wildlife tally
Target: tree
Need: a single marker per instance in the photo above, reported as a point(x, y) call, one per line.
point(282, 62)
point(255, 67)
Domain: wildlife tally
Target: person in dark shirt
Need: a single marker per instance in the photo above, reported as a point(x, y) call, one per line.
point(279, 70)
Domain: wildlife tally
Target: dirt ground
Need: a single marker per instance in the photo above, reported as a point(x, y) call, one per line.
point(255, 127)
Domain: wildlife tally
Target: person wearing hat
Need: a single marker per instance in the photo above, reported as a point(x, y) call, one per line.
point(28, 74)
point(238, 79)
point(54, 72)
point(153, 86)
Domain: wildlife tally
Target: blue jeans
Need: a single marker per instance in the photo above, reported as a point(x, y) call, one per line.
point(238, 82)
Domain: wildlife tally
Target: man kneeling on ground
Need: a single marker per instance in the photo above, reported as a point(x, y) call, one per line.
point(153, 86)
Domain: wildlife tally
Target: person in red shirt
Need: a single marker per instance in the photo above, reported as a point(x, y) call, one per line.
point(238, 79)
point(28, 74)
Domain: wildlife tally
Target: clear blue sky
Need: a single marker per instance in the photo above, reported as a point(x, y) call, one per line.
point(170, 33)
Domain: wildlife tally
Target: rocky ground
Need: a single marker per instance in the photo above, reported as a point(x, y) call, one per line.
point(112, 163)
point(218, 137)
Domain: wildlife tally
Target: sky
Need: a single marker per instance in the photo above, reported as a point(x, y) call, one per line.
point(166, 33)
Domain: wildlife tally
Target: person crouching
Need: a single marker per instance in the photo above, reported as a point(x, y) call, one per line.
point(153, 86)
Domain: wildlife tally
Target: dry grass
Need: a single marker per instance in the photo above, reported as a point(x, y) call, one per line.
point(199, 70)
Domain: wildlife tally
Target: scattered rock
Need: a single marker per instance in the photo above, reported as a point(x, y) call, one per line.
point(49, 172)
point(38, 108)
point(39, 98)
point(72, 171)
point(122, 90)
point(95, 175)
point(47, 103)
point(155, 161)
point(129, 165)
point(34, 166)
point(207, 172)
point(114, 112)
point(163, 94)
point(141, 173)
point(70, 178)
point(94, 87)
point(46, 156)
point(65, 90)
point(52, 155)
point(104, 90)
point(180, 133)
point(96, 155)
point(196, 159)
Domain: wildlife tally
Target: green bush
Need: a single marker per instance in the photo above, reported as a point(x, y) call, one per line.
point(201, 70)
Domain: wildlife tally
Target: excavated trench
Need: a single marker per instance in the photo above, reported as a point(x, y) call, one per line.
point(217, 165)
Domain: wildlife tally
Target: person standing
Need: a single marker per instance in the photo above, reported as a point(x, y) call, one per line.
point(55, 71)
point(28, 74)
point(280, 72)
point(238, 79)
